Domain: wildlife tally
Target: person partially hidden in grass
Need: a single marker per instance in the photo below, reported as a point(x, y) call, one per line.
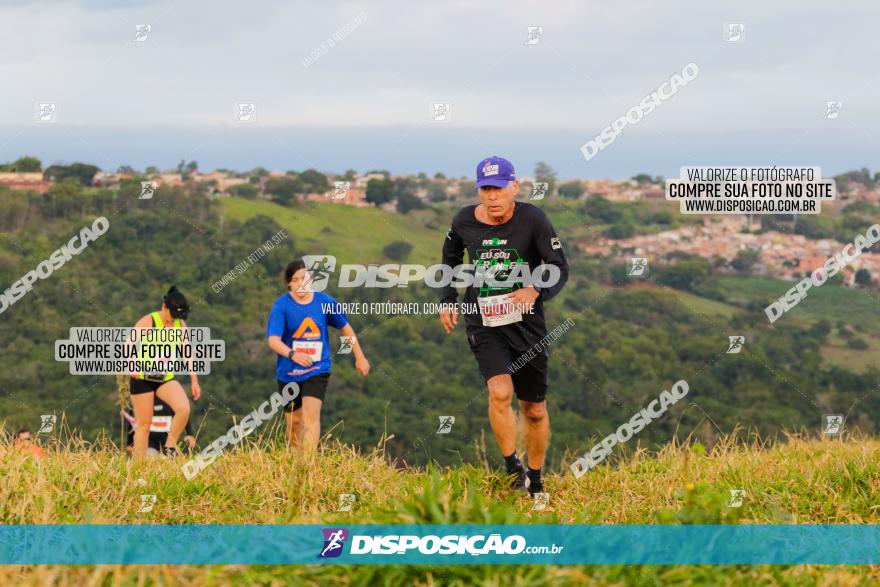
point(163, 414)
point(24, 442)
point(298, 333)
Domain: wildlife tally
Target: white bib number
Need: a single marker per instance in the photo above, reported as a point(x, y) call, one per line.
point(498, 311)
point(311, 348)
point(161, 424)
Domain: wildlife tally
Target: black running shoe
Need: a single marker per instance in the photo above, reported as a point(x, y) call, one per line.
point(172, 452)
point(536, 487)
point(518, 478)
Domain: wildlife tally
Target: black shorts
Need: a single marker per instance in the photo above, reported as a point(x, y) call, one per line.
point(313, 387)
point(143, 386)
point(495, 356)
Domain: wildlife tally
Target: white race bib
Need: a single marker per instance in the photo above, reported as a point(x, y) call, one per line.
point(498, 311)
point(309, 347)
point(161, 424)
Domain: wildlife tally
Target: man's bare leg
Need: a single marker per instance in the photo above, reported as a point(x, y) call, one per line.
point(537, 433)
point(501, 416)
point(503, 422)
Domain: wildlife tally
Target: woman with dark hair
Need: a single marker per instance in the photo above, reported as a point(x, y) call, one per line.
point(298, 333)
point(146, 386)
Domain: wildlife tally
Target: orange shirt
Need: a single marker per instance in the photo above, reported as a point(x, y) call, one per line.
point(33, 449)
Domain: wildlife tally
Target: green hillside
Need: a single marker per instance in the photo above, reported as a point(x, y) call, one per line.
point(358, 235)
point(353, 235)
point(630, 341)
point(829, 302)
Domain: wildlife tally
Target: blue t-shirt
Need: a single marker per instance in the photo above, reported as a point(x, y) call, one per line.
point(303, 327)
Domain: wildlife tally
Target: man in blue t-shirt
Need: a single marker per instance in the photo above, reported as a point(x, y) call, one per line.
point(297, 332)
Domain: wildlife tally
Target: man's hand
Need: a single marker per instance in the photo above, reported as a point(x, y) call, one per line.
point(362, 365)
point(190, 441)
point(302, 359)
point(524, 298)
point(196, 390)
point(449, 318)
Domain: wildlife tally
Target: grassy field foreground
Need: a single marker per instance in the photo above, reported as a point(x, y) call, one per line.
point(800, 481)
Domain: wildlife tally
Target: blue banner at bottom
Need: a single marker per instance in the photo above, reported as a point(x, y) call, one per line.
point(440, 544)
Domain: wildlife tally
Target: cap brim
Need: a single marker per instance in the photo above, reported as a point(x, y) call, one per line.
point(498, 183)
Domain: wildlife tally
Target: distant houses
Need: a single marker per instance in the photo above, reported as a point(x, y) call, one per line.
point(350, 197)
point(106, 179)
point(790, 256)
point(32, 181)
point(718, 239)
point(428, 190)
point(362, 181)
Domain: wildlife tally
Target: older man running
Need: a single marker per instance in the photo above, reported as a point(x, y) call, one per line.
point(503, 237)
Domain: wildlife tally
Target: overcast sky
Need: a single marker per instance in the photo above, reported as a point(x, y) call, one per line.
point(365, 103)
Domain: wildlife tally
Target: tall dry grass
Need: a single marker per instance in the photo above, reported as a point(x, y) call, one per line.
point(260, 482)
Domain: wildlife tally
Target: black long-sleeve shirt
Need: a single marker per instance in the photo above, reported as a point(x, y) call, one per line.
point(528, 237)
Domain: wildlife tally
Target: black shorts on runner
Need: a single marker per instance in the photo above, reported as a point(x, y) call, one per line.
point(313, 387)
point(143, 386)
point(496, 357)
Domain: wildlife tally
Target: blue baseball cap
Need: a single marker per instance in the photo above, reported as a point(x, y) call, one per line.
point(495, 171)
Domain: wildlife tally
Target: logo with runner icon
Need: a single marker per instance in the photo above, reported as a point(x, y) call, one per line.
point(319, 269)
point(47, 423)
point(446, 423)
point(832, 424)
point(345, 345)
point(346, 502)
point(539, 190)
point(334, 541)
point(340, 189)
point(736, 498)
point(148, 188)
point(736, 344)
point(637, 267)
point(147, 503)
